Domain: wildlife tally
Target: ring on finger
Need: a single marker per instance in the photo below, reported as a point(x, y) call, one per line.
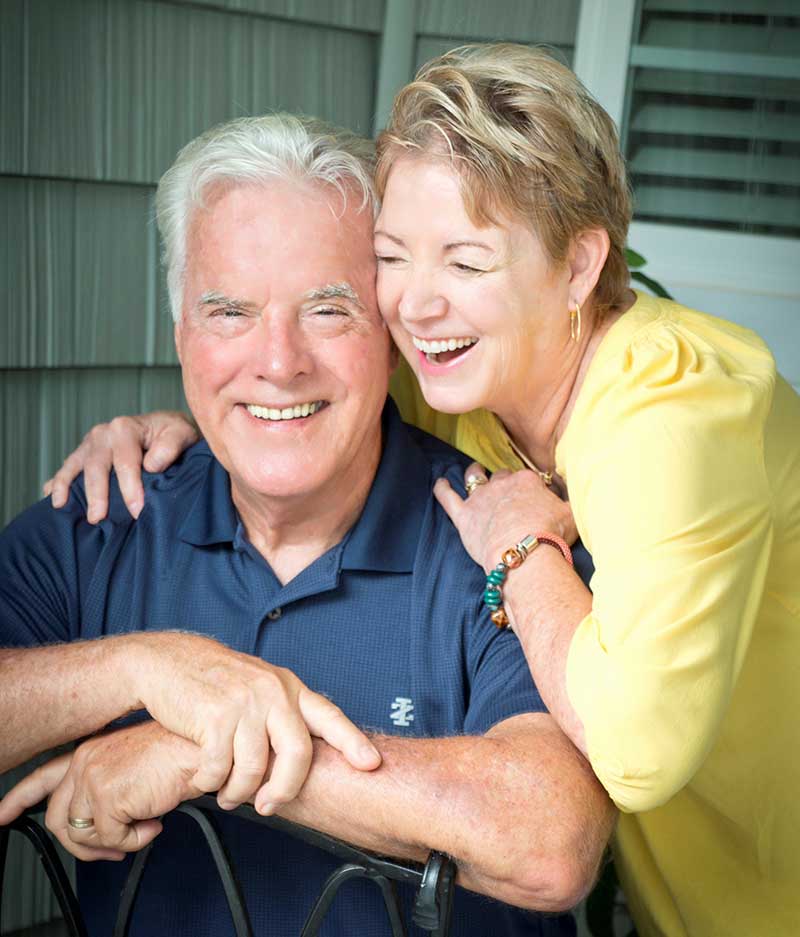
point(81, 823)
point(474, 481)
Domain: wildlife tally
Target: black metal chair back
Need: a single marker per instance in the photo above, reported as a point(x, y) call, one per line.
point(435, 881)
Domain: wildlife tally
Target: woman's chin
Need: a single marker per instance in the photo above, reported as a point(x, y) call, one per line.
point(452, 398)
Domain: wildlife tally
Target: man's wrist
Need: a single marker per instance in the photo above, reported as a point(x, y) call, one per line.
point(131, 661)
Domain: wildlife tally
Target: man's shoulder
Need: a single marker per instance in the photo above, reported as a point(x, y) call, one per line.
point(164, 491)
point(444, 459)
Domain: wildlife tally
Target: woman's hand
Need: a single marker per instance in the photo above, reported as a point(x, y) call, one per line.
point(502, 510)
point(159, 437)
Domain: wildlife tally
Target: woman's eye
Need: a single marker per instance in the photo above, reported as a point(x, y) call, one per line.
point(465, 268)
point(387, 259)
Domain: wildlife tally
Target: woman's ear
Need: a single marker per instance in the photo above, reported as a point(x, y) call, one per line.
point(587, 259)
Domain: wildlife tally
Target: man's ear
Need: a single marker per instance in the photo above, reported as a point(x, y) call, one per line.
point(587, 259)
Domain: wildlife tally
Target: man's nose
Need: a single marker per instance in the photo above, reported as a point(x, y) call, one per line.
point(281, 350)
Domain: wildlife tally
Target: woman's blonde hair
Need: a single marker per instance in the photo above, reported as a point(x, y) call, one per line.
point(527, 140)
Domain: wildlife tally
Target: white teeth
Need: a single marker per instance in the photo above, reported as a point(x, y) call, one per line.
point(440, 345)
point(287, 413)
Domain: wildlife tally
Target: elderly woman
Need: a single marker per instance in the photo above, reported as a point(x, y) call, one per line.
point(663, 437)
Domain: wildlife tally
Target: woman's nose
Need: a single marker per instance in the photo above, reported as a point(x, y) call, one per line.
point(420, 300)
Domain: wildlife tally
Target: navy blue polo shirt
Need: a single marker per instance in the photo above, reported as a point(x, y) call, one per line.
point(388, 624)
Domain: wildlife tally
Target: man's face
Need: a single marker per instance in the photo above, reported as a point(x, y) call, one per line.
point(285, 357)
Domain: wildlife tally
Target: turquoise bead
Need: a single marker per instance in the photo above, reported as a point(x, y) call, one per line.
point(492, 595)
point(495, 576)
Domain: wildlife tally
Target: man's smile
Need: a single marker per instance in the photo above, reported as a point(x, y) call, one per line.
point(295, 412)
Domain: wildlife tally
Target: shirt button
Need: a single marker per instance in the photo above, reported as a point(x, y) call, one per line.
point(274, 615)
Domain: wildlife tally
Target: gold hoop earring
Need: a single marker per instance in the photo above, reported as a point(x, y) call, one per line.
point(575, 323)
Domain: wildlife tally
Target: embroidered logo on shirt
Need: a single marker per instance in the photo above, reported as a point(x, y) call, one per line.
point(402, 711)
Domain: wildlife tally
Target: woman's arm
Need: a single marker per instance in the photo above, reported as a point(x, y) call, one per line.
point(669, 489)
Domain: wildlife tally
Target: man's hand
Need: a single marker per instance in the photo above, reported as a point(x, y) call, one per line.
point(121, 781)
point(236, 708)
point(159, 437)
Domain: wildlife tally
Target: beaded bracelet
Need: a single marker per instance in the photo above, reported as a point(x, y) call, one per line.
point(511, 559)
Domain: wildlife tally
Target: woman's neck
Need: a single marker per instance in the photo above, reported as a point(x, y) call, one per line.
point(537, 422)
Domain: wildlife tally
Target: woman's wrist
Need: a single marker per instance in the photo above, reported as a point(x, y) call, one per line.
point(511, 559)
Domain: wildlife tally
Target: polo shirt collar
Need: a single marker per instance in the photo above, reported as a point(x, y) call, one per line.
point(385, 536)
point(212, 517)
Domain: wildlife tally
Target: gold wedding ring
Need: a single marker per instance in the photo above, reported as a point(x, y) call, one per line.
point(474, 481)
point(80, 823)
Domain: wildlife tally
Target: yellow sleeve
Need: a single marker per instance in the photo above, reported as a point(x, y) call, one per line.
point(669, 490)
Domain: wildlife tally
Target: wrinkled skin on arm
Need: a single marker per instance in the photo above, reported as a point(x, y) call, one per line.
point(238, 709)
point(519, 808)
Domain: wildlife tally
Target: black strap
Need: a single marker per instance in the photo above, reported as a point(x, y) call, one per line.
point(434, 904)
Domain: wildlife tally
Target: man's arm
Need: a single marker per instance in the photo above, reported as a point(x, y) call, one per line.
point(236, 707)
point(518, 809)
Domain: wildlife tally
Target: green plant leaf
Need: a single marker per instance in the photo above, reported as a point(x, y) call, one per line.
point(650, 283)
point(634, 259)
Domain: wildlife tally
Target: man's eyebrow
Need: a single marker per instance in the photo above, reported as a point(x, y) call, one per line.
point(341, 290)
point(215, 298)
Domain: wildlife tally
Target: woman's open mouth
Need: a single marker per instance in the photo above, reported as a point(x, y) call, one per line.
point(443, 350)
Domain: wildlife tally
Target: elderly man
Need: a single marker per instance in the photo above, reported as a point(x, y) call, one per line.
point(300, 548)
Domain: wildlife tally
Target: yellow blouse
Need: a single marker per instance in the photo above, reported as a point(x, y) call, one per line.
point(682, 459)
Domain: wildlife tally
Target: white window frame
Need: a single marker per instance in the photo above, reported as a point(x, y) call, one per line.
point(747, 272)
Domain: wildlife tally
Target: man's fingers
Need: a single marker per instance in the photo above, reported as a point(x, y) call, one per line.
point(89, 853)
point(327, 721)
point(34, 788)
point(216, 757)
point(111, 834)
point(77, 808)
point(293, 750)
point(250, 760)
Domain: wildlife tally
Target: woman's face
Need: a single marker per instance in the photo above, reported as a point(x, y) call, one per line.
point(480, 313)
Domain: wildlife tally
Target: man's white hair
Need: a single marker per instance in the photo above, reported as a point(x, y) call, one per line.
point(252, 151)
